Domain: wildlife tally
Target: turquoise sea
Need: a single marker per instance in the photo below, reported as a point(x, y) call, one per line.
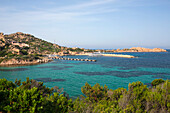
point(112, 71)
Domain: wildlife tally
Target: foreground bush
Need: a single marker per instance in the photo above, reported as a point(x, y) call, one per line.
point(137, 99)
point(33, 97)
point(157, 82)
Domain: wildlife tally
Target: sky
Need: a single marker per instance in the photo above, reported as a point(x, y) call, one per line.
point(93, 24)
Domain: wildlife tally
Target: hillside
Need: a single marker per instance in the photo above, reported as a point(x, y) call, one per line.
point(21, 48)
point(24, 44)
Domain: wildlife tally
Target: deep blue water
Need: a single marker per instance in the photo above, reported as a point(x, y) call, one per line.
point(112, 71)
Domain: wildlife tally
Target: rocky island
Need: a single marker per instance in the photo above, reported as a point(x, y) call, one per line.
point(135, 49)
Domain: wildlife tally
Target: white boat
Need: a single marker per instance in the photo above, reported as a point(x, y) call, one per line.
point(95, 54)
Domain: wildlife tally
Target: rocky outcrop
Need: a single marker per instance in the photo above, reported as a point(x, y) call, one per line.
point(134, 49)
point(23, 62)
point(141, 49)
point(27, 42)
point(138, 49)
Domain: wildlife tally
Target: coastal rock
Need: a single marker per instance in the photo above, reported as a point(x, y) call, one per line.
point(159, 49)
point(141, 49)
point(24, 62)
point(136, 49)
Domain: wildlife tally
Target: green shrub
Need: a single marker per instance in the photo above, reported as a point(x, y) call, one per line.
point(31, 97)
point(24, 100)
point(157, 82)
point(134, 100)
point(24, 52)
point(3, 53)
point(94, 93)
point(6, 85)
point(138, 99)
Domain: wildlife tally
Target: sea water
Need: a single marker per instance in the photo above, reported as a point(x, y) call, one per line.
point(113, 71)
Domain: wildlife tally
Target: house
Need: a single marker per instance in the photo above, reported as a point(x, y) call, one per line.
point(19, 44)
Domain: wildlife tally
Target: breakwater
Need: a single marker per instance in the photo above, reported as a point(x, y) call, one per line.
point(75, 59)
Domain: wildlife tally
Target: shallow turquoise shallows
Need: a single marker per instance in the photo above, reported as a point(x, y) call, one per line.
point(114, 72)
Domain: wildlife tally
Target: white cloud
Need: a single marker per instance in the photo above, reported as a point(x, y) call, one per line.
point(14, 18)
point(86, 5)
point(64, 13)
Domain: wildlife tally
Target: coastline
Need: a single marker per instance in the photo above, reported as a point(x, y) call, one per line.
point(9, 63)
point(14, 62)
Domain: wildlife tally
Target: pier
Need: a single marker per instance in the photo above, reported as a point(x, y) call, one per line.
point(74, 59)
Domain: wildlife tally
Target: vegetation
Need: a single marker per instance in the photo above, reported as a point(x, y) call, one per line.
point(24, 43)
point(90, 50)
point(76, 49)
point(157, 82)
point(33, 96)
point(17, 44)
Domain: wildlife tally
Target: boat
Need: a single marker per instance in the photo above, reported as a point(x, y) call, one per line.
point(95, 54)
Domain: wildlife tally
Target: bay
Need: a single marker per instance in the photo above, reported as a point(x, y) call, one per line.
point(112, 71)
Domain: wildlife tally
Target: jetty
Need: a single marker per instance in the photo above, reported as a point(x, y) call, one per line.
point(75, 59)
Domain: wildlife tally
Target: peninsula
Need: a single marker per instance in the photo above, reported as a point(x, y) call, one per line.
point(25, 49)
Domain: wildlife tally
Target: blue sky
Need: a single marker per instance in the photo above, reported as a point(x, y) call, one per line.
point(90, 23)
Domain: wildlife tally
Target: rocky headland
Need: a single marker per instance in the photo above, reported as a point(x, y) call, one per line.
point(25, 49)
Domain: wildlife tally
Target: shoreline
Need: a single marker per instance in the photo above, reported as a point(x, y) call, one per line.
point(46, 60)
point(17, 65)
point(25, 63)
